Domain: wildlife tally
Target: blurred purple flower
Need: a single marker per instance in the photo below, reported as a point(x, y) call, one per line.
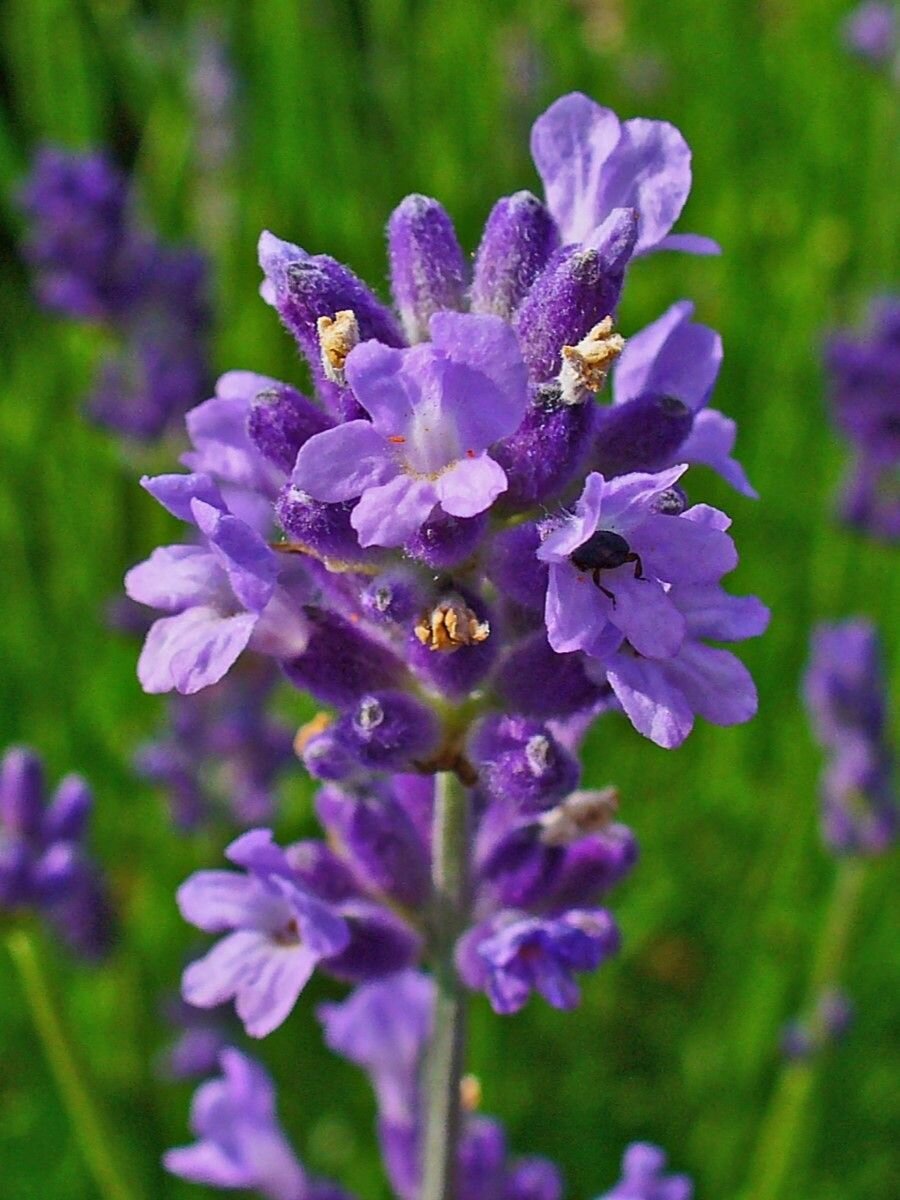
point(871, 31)
point(643, 1179)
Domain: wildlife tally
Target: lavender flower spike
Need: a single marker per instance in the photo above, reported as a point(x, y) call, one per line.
point(239, 1141)
point(591, 162)
point(279, 932)
point(643, 1179)
point(435, 410)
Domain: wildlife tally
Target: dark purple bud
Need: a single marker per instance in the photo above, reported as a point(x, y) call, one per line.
point(328, 756)
point(593, 865)
point(15, 872)
point(546, 451)
point(340, 663)
point(55, 872)
point(380, 944)
point(399, 1141)
point(513, 566)
point(66, 818)
point(534, 1179)
point(394, 597)
point(280, 421)
point(443, 542)
point(641, 435)
point(482, 1159)
point(536, 681)
point(415, 795)
point(21, 791)
point(574, 292)
point(379, 842)
point(83, 917)
point(390, 730)
point(324, 528)
point(429, 271)
point(520, 761)
point(518, 239)
point(320, 870)
point(516, 869)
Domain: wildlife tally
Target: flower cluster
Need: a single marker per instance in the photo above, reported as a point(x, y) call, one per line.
point(467, 559)
point(870, 31)
point(846, 696)
point(44, 865)
point(93, 261)
point(643, 1178)
point(864, 373)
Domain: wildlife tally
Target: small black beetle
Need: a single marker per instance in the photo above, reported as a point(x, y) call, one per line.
point(604, 551)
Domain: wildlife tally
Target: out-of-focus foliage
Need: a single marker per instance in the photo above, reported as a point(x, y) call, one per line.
point(339, 109)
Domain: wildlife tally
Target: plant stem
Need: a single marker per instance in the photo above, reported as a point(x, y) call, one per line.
point(450, 850)
point(89, 1126)
point(786, 1114)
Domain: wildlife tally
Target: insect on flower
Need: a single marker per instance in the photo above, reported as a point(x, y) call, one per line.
point(604, 551)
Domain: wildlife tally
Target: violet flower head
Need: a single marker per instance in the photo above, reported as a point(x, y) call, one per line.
point(870, 31)
point(277, 932)
point(591, 162)
point(224, 594)
point(239, 1141)
point(643, 1178)
point(864, 386)
point(44, 864)
point(845, 693)
point(435, 409)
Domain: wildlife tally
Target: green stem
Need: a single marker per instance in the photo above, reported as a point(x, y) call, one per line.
point(451, 885)
point(784, 1121)
point(89, 1126)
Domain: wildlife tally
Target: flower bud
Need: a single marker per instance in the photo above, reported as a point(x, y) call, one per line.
point(641, 435)
point(324, 529)
point(514, 568)
point(21, 791)
point(380, 944)
point(280, 421)
point(340, 663)
point(55, 872)
point(321, 871)
point(593, 865)
point(546, 451)
point(518, 239)
point(428, 268)
point(482, 1159)
point(520, 761)
point(65, 819)
point(574, 292)
point(457, 673)
point(444, 542)
point(394, 597)
point(534, 1179)
point(15, 872)
point(536, 681)
point(390, 730)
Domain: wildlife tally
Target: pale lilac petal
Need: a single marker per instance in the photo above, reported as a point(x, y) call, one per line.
point(680, 551)
point(283, 628)
point(207, 1162)
point(716, 684)
point(390, 515)
point(488, 347)
point(175, 492)
point(578, 527)
point(177, 577)
point(671, 357)
point(470, 486)
point(322, 930)
point(342, 463)
point(654, 706)
point(251, 566)
point(644, 613)
point(376, 374)
point(192, 650)
point(576, 611)
point(650, 170)
point(627, 498)
point(711, 612)
point(710, 442)
point(570, 144)
point(265, 998)
point(690, 243)
point(707, 517)
point(217, 977)
point(218, 900)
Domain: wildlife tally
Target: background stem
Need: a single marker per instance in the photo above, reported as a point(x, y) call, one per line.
point(783, 1123)
point(89, 1126)
point(450, 851)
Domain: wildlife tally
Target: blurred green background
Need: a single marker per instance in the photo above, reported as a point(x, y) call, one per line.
point(341, 108)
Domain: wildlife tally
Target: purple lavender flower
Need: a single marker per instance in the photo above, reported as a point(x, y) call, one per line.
point(201, 1037)
point(643, 1179)
point(864, 377)
point(610, 562)
point(513, 955)
point(224, 594)
point(435, 409)
point(43, 861)
point(279, 933)
point(870, 31)
point(239, 1141)
point(675, 357)
point(591, 162)
point(845, 693)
